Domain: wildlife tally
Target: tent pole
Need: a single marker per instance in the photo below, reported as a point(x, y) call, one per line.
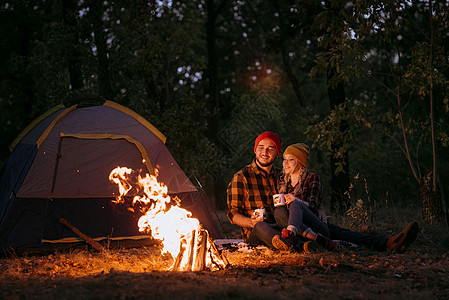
point(58, 155)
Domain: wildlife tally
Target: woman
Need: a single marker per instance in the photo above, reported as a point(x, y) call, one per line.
point(299, 216)
point(297, 180)
point(300, 185)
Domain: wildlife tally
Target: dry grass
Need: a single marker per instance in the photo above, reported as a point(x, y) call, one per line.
point(140, 273)
point(84, 262)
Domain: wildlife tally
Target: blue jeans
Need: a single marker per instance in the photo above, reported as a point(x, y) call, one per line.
point(369, 241)
point(298, 215)
point(263, 233)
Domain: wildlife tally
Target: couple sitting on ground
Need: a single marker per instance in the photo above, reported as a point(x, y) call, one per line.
point(301, 223)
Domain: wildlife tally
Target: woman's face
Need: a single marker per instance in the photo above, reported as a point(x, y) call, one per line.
point(291, 164)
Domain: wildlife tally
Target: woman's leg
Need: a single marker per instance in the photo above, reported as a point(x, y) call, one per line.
point(301, 217)
point(370, 241)
point(312, 221)
point(281, 215)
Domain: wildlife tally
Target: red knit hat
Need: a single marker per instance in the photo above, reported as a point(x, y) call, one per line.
point(270, 136)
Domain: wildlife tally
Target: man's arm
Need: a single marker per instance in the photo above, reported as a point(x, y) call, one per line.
point(243, 221)
point(236, 194)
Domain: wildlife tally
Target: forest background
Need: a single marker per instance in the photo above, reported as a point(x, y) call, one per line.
point(365, 83)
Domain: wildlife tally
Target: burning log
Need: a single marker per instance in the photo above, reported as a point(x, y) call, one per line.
point(89, 240)
point(201, 254)
point(200, 264)
point(192, 250)
point(178, 260)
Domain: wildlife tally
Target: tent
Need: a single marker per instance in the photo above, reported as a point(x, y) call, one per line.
point(59, 168)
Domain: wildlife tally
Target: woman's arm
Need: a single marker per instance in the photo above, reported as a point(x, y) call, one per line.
point(312, 190)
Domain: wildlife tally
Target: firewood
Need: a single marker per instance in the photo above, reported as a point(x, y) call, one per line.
point(191, 251)
point(201, 251)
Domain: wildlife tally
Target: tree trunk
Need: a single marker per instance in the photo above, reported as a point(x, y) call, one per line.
point(25, 77)
point(213, 90)
point(212, 68)
point(100, 42)
point(294, 81)
point(296, 85)
point(339, 181)
point(433, 205)
point(432, 210)
point(69, 12)
point(336, 91)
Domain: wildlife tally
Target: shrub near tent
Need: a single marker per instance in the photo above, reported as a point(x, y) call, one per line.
point(59, 168)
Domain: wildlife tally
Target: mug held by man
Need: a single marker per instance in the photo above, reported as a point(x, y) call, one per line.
point(260, 213)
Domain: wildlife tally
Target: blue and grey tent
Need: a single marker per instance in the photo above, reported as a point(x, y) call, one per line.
point(59, 168)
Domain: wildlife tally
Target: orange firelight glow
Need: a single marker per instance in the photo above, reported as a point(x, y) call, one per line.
point(162, 217)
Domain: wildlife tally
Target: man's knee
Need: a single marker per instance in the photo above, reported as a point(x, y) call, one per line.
point(259, 227)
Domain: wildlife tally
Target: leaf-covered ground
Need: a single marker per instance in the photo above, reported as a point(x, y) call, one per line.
point(139, 273)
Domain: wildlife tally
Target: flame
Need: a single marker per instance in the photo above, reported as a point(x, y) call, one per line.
point(162, 217)
point(118, 175)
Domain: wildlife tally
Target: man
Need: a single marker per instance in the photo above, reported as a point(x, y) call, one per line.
point(252, 188)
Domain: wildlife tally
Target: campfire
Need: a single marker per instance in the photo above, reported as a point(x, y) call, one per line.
point(181, 236)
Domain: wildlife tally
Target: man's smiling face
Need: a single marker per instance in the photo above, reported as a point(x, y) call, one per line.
point(265, 153)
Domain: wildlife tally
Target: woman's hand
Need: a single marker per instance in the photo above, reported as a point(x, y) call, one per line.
point(289, 198)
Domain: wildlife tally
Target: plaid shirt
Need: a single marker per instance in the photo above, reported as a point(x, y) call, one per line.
point(249, 189)
point(310, 190)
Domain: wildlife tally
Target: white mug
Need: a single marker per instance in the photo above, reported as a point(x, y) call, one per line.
point(260, 213)
point(278, 200)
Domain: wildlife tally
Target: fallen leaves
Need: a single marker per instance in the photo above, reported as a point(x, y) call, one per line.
point(262, 273)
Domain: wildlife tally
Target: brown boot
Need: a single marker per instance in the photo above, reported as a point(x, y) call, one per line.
point(311, 247)
point(401, 241)
point(280, 243)
point(326, 242)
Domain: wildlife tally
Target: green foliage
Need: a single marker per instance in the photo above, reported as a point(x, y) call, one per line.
point(358, 216)
point(185, 124)
point(338, 128)
point(272, 60)
point(340, 44)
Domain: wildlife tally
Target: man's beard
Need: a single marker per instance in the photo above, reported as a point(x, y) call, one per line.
point(264, 164)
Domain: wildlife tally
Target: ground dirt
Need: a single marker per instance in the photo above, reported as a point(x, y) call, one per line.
point(140, 273)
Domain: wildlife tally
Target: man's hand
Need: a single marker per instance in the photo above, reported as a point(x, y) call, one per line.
point(242, 221)
point(256, 219)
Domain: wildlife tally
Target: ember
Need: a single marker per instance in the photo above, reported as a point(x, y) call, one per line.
point(181, 235)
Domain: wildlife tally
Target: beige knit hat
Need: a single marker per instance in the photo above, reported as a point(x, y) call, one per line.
point(300, 151)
